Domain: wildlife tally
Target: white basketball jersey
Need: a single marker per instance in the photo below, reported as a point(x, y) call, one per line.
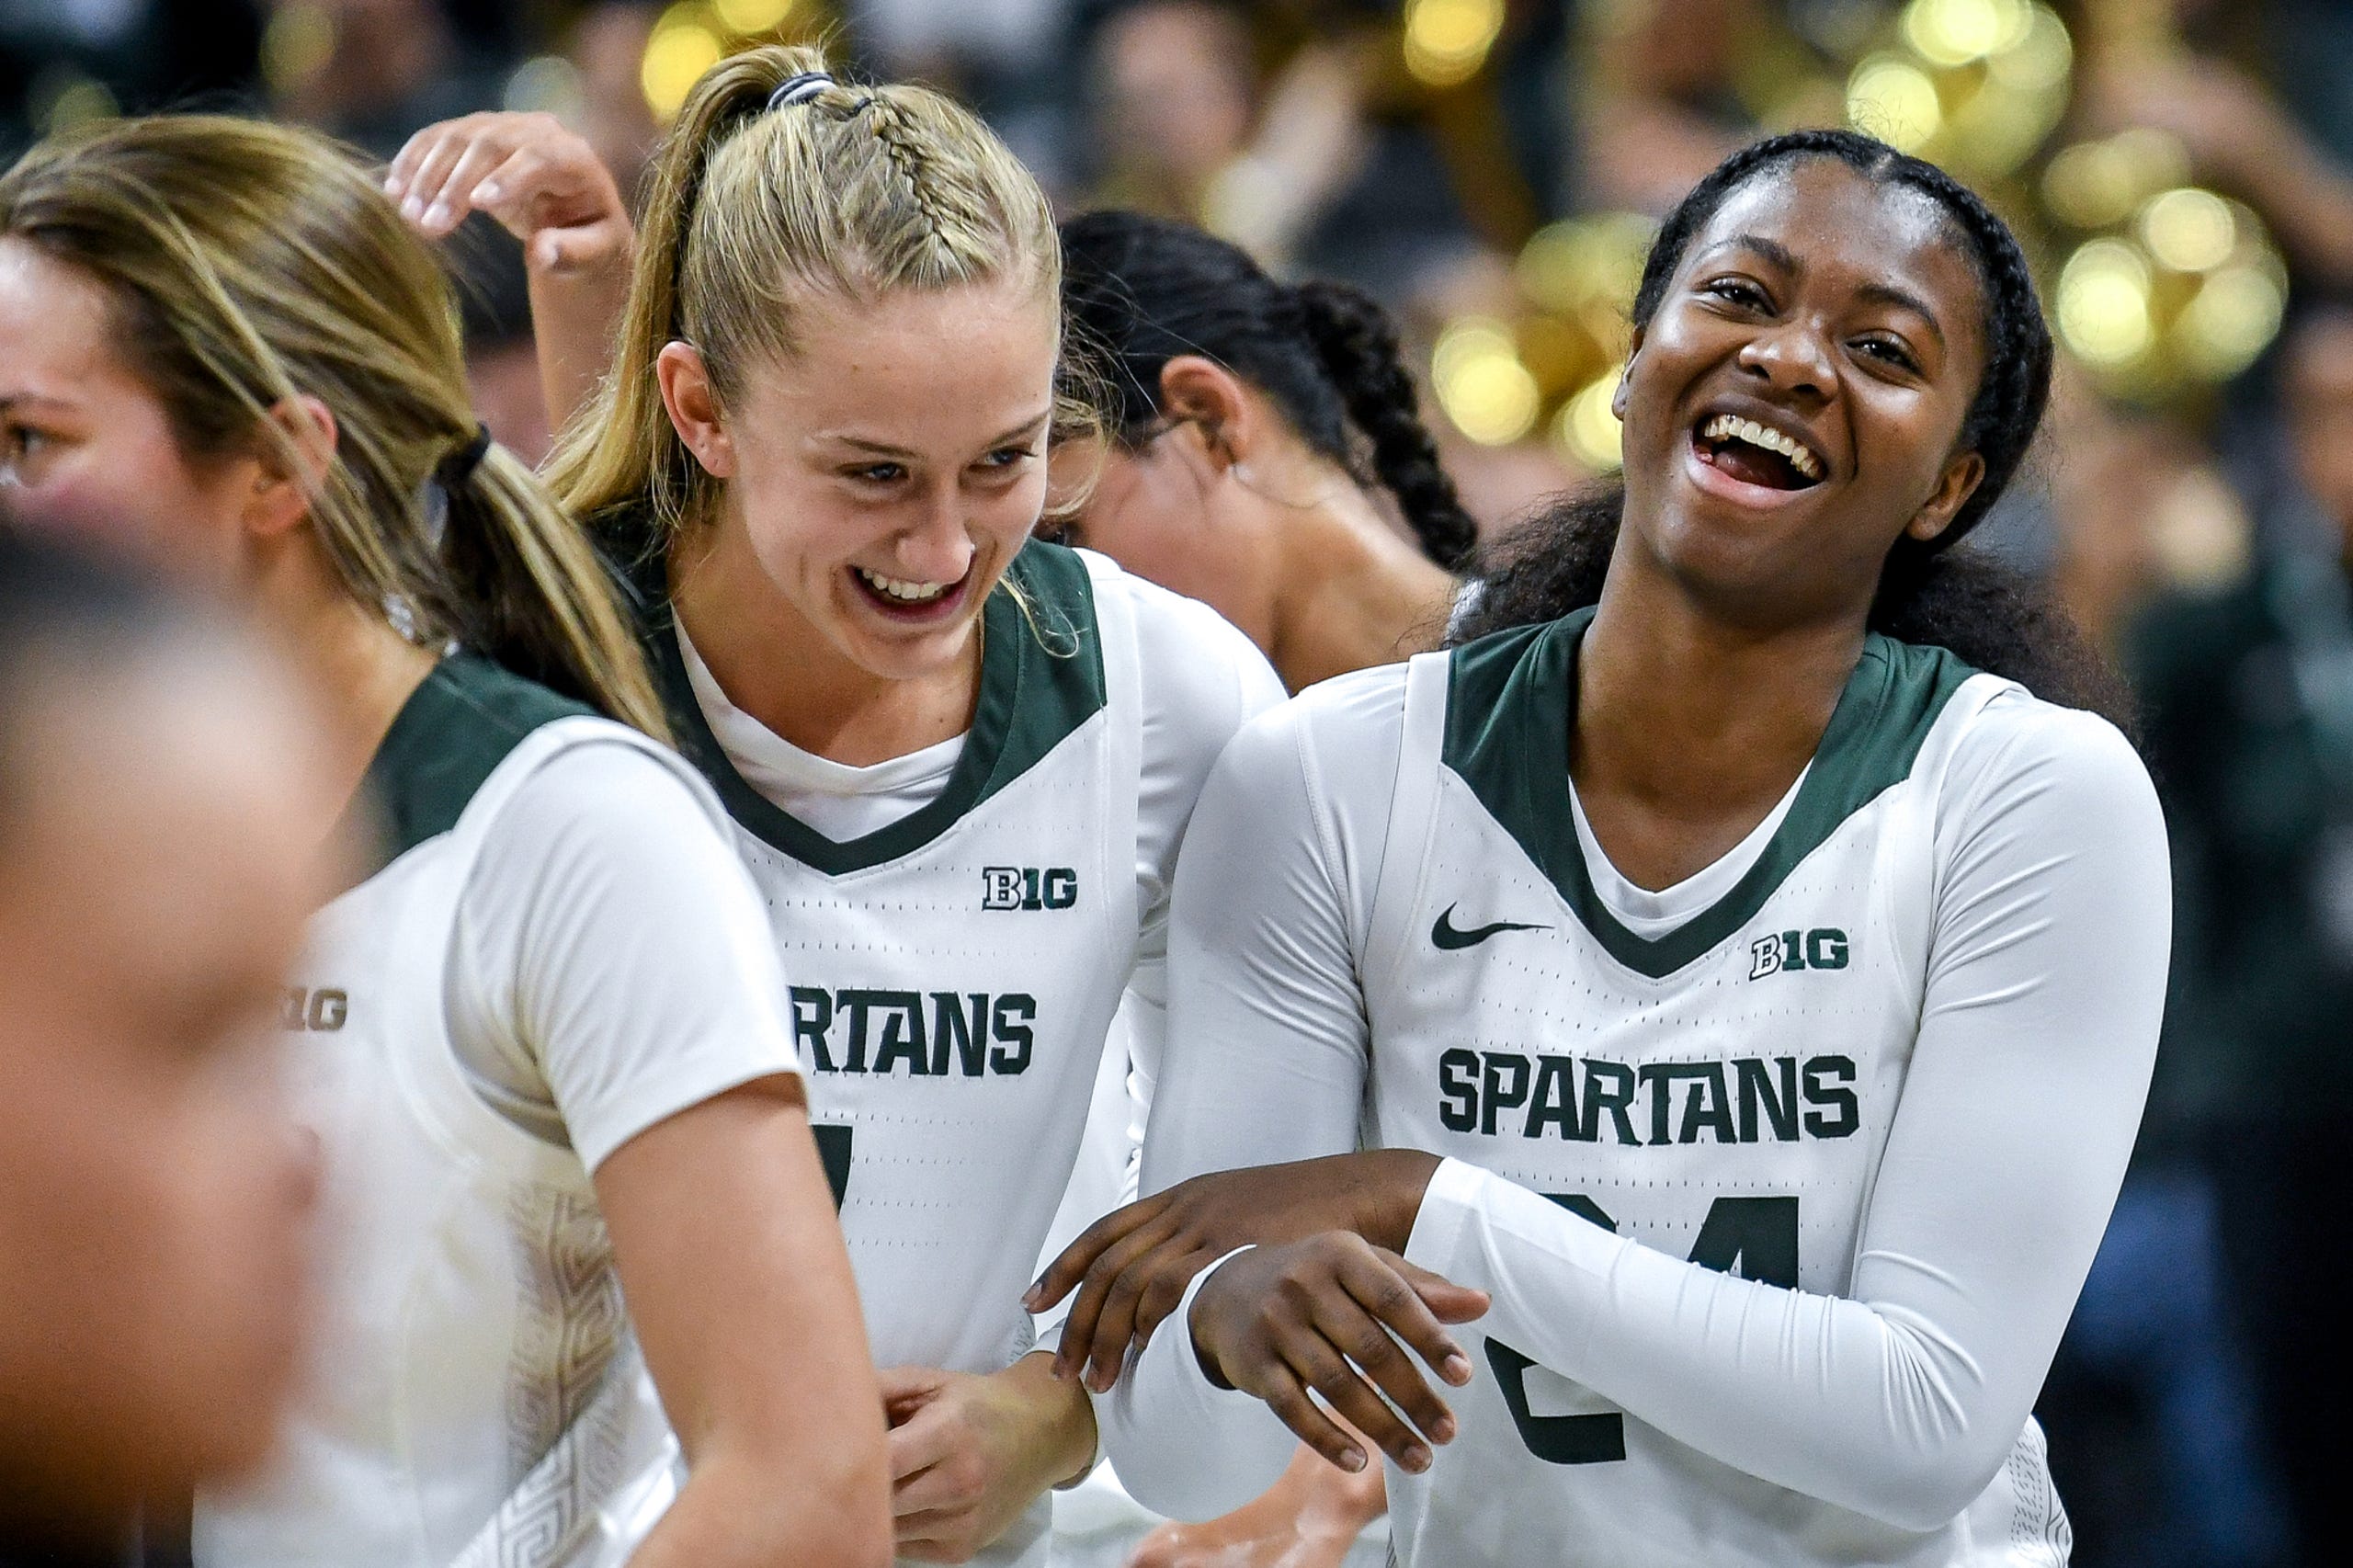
point(954, 974)
point(1721, 1092)
point(478, 1398)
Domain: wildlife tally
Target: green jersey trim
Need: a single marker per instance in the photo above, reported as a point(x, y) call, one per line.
point(1510, 714)
point(444, 744)
point(1041, 678)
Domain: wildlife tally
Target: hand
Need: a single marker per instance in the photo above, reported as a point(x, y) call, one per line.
point(969, 1453)
point(1308, 1519)
point(1279, 1320)
point(1132, 1267)
point(541, 181)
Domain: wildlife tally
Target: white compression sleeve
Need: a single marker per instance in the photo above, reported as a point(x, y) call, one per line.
point(2036, 1036)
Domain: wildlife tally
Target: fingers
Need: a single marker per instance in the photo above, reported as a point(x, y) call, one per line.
point(1287, 1396)
point(1447, 1301)
point(1063, 1276)
point(903, 1383)
point(1383, 1286)
point(923, 1441)
point(1078, 1344)
point(1373, 1353)
point(1158, 1267)
point(421, 190)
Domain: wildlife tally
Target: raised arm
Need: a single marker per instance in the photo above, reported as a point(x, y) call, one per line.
point(545, 187)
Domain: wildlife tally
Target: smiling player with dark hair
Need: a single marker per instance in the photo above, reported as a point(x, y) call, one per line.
point(1729, 983)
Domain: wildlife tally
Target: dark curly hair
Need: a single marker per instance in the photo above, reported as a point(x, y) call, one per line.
point(1138, 291)
point(1992, 616)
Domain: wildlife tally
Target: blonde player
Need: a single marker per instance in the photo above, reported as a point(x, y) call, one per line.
point(543, 1038)
point(959, 763)
point(1743, 970)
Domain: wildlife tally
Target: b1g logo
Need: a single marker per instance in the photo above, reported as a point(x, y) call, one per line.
point(1027, 887)
point(323, 1011)
point(1823, 948)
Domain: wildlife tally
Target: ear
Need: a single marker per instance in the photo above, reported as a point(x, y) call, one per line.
point(1205, 394)
point(1959, 481)
point(1618, 398)
point(694, 407)
point(287, 477)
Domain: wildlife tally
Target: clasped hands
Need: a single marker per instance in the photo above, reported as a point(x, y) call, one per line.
point(1322, 1303)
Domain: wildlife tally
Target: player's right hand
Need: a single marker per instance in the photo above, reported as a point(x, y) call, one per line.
point(541, 181)
point(1278, 1322)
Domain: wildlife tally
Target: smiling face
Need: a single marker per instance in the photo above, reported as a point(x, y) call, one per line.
point(1795, 404)
point(85, 445)
point(884, 476)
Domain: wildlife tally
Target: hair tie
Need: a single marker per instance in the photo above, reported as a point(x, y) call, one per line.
point(799, 88)
point(459, 467)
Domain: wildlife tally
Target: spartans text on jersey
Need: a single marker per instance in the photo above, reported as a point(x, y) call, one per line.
point(861, 1029)
point(1743, 1100)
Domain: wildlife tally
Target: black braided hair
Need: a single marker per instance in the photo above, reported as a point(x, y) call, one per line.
point(1989, 614)
point(1138, 291)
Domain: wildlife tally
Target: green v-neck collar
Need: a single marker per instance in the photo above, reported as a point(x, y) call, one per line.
point(1041, 678)
point(1510, 714)
point(444, 744)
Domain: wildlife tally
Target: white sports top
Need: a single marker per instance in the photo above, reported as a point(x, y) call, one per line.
point(1827, 1159)
point(559, 951)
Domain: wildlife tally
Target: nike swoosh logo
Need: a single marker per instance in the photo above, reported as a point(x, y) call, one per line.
point(1448, 937)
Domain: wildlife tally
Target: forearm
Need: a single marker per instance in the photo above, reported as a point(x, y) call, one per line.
point(787, 1513)
point(1181, 1446)
point(576, 309)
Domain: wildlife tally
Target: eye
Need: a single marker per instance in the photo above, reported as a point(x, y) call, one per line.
point(1890, 350)
point(1737, 291)
point(876, 473)
point(1007, 457)
point(20, 445)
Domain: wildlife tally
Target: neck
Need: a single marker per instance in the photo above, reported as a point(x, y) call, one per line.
point(1689, 728)
point(778, 667)
point(1352, 593)
point(359, 669)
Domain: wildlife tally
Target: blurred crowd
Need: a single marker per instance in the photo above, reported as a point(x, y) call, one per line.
point(2183, 169)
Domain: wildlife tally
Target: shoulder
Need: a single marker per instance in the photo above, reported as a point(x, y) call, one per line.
point(2016, 753)
point(1197, 672)
point(1343, 736)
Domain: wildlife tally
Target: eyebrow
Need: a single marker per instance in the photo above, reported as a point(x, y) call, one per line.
point(1028, 427)
point(1787, 260)
point(10, 402)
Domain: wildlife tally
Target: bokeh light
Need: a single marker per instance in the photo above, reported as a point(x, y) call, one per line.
point(1894, 100)
point(1958, 32)
point(1448, 40)
point(1587, 429)
point(684, 46)
point(2104, 303)
point(2231, 320)
point(748, 16)
point(1480, 383)
point(2189, 230)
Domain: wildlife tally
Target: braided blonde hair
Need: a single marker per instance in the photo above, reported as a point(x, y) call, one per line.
point(850, 191)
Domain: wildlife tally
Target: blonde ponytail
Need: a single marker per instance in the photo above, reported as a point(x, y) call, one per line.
point(845, 190)
point(249, 264)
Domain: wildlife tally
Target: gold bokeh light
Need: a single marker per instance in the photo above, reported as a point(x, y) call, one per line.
point(1447, 42)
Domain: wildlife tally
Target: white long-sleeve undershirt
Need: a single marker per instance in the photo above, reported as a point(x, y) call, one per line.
point(2044, 983)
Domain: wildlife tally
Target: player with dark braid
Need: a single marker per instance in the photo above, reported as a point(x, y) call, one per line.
point(1262, 432)
point(1728, 982)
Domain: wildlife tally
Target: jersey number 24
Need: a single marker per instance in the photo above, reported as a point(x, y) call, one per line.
point(1757, 1235)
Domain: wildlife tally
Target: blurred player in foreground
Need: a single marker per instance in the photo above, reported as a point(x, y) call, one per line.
point(1743, 958)
point(156, 778)
point(543, 1038)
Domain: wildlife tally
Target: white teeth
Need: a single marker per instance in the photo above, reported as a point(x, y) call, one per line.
point(1726, 427)
point(905, 592)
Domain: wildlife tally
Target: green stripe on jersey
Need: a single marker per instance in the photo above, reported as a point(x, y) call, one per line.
point(450, 737)
point(1510, 714)
point(1041, 678)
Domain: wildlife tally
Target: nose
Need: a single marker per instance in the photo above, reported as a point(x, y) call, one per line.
point(1792, 358)
point(937, 547)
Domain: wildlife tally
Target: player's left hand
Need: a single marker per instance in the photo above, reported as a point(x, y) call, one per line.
point(1130, 1267)
point(968, 1453)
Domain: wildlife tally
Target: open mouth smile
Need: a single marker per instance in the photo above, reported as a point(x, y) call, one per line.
point(1755, 455)
point(906, 599)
